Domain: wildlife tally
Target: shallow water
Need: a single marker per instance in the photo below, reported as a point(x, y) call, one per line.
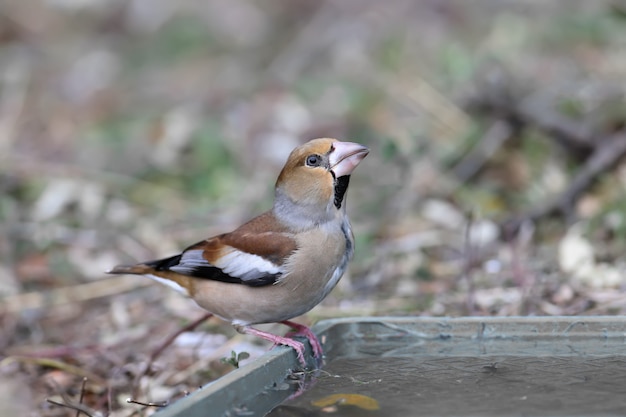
point(464, 386)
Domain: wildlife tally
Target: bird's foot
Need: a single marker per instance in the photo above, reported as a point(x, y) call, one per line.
point(277, 340)
point(302, 330)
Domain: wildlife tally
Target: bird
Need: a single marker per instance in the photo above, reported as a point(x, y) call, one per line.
point(282, 263)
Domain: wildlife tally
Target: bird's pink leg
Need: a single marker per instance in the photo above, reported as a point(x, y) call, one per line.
point(277, 340)
point(302, 330)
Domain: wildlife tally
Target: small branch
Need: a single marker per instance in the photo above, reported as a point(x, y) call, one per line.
point(110, 399)
point(603, 159)
point(80, 408)
point(167, 342)
point(498, 133)
point(539, 112)
point(72, 294)
point(51, 363)
point(150, 404)
point(468, 254)
point(82, 395)
point(599, 151)
point(189, 327)
point(566, 130)
point(106, 400)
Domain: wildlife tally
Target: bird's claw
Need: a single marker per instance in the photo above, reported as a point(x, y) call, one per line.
point(301, 330)
point(297, 346)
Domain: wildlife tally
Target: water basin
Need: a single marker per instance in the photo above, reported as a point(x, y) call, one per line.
point(541, 366)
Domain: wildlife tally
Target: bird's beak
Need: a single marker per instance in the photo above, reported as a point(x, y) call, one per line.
point(345, 156)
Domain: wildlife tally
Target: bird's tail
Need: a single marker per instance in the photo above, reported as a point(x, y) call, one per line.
point(146, 267)
point(138, 269)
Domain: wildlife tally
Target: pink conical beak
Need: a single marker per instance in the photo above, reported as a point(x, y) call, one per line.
point(345, 156)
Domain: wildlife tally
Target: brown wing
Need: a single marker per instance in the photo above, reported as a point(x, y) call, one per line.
point(254, 255)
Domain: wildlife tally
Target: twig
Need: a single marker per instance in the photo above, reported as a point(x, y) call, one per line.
point(522, 276)
point(77, 293)
point(498, 133)
point(189, 327)
point(604, 158)
point(110, 399)
point(599, 150)
point(106, 399)
point(569, 132)
point(181, 376)
point(467, 267)
point(82, 395)
point(167, 342)
point(533, 111)
point(80, 408)
point(52, 363)
point(14, 81)
point(150, 404)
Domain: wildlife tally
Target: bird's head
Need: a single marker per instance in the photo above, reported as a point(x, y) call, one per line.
point(312, 185)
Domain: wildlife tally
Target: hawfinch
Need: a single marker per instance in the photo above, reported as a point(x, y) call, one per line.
point(282, 263)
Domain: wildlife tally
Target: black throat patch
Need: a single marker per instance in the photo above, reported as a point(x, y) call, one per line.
point(341, 186)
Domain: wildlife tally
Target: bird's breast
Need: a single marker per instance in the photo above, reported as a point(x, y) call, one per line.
point(320, 261)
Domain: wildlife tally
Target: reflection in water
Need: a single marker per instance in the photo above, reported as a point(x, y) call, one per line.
point(447, 386)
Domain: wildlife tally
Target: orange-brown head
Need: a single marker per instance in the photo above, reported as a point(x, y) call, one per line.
point(311, 186)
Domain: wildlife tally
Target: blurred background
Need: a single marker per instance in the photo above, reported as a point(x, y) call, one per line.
point(132, 128)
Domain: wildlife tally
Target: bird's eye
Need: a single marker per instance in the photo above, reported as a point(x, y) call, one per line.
point(313, 160)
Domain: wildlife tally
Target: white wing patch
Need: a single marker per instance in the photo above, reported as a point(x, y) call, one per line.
point(246, 266)
point(172, 284)
point(237, 264)
point(191, 260)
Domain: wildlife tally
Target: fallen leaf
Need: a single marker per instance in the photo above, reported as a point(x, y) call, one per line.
point(362, 401)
